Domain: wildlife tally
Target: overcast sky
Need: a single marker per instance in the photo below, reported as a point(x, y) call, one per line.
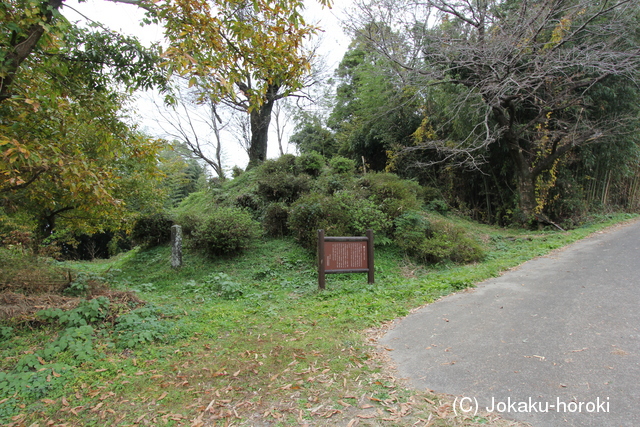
point(126, 19)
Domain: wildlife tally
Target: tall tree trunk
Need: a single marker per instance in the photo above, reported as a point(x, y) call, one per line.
point(527, 196)
point(260, 119)
point(526, 177)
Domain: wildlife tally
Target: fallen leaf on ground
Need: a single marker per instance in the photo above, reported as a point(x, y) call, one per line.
point(367, 416)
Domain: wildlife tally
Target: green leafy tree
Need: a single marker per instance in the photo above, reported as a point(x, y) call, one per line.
point(23, 23)
point(50, 67)
point(375, 111)
point(67, 156)
point(82, 175)
point(31, 31)
point(248, 54)
point(312, 136)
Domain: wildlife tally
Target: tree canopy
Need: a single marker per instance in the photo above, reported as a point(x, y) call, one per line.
point(70, 158)
point(68, 152)
point(248, 54)
point(535, 69)
point(515, 109)
point(376, 109)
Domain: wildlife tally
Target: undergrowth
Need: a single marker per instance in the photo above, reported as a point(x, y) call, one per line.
point(45, 353)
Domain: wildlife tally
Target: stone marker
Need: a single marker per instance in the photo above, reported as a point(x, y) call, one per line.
point(176, 246)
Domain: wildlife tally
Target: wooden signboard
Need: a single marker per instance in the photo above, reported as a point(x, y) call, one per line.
point(344, 255)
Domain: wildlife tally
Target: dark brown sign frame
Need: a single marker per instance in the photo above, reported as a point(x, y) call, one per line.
point(345, 255)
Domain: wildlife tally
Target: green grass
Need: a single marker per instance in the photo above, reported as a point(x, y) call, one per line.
point(251, 341)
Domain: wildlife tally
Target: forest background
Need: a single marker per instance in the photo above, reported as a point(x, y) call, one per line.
point(510, 113)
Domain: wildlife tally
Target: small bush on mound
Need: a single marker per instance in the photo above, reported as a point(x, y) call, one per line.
point(411, 230)
point(283, 187)
point(342, 165)
point(392, 194)
point(436, 240)
point(279, 182)
point(310, 163)
point(330, 182)
point(341, 214)
point(226, 231)
point(249, 201)
point(275, 220)
point(362, 214)
point(313, 212)
point(285, 163)
point(152, 230)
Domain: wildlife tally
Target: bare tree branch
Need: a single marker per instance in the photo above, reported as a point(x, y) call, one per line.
point(531, 67)
point(193, 124)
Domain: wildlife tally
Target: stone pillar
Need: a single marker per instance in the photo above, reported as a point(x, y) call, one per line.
point(176, 246)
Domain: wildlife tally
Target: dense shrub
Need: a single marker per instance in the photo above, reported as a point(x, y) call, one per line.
point(342, 214)
point(342, 165)
point(285, 163)
point(411, 230)
point(450, 242)
point(152, 230)
point(361, 214)
point(283, 187)
point(226, 231)
point(330, 182)
point(392, 194)
point(275, 220)
point(249, 201)
point(310, 163)
point(278, 180)
point(435, 240)
point(313, 212)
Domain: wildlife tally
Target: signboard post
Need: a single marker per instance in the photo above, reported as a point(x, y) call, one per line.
point(344, 255)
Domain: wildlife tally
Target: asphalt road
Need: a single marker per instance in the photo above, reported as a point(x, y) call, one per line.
point(554, 342)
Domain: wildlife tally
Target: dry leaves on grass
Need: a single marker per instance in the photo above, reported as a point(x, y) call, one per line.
point(14, 305)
